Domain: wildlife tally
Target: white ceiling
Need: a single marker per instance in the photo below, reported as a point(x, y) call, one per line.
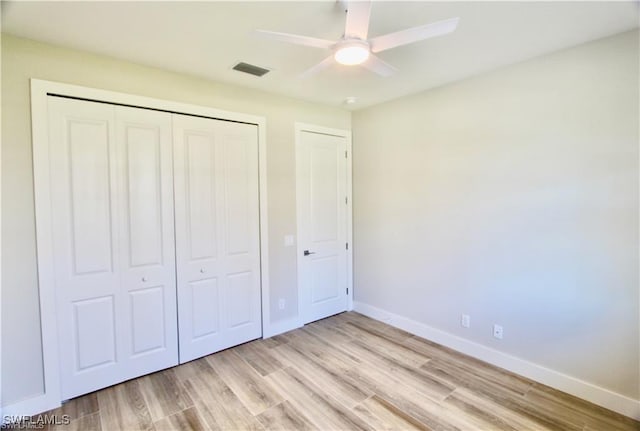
point(207, 38)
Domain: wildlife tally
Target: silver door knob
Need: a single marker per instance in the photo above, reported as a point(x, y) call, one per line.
point(307, 252)
point(144, 278)
point(202, 270)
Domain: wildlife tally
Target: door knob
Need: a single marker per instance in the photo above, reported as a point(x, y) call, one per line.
point(202, 271)
point(144, 278)
point(307, 252)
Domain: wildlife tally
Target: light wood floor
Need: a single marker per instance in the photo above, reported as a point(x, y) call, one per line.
point(342, 373)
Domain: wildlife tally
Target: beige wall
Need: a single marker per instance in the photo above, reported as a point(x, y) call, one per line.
point(512, 197)
point(23, 59)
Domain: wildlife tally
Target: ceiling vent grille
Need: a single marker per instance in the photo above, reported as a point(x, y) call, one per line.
point(250, 69)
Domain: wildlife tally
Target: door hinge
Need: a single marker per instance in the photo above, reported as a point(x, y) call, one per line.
point(346, 246)
point(345, 154)
point(346, 200)
point(347, 290)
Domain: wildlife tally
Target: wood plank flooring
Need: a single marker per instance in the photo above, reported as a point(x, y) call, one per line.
point(346, 372)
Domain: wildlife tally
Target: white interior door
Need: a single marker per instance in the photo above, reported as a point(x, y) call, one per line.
point(322, 224)
point(147, 249)
point(217, 234)
point(112, 242)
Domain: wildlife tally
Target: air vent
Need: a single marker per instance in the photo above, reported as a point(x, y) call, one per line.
point(250, 69)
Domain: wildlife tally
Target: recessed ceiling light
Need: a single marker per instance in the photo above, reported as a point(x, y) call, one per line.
point(350, 100)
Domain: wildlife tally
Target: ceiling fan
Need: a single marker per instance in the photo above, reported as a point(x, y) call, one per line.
point(355, 49)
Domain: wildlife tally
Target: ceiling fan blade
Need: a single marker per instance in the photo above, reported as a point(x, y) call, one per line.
point(358, 13)
point(296, 39)
point(318, 67)
point(378, 66)
point(414, 34)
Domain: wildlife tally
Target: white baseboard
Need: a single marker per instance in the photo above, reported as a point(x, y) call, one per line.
point(281, 327)
point(29, 407)
point(571, 385)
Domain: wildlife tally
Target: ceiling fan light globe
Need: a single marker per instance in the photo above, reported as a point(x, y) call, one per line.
point(351, 55)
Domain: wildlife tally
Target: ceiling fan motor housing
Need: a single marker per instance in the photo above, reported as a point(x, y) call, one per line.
point(352, 51)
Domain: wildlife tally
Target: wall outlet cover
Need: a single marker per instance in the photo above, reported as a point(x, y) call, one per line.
point(465, 320)
point(497, 331)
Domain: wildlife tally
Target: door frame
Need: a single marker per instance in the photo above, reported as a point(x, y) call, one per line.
point(40, 90)
point(299, 129)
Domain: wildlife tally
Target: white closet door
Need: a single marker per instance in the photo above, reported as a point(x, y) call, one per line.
point(217, 237)
point(86, 248)
point(147, 252)
point(111, 206)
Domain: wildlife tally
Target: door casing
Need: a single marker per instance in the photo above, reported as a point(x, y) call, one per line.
point(40, 90)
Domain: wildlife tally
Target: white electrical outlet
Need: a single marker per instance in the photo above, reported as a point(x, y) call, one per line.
point(282, 303)
point(465, 320)
point(289, 240)
point(497, 331)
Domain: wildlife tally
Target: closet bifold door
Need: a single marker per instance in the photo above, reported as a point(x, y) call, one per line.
point(147, 254)
point(217, 234)
point(112, 206)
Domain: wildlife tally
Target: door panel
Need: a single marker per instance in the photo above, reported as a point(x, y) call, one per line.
point(205, 306)
point(111, 184)
point(90, 186)
point(95, 340)
point(325, 278)
point(144, 194)
point(85, 243)
point(147, 320)
point(322, 224)
point(237, 192)
point(147, 250)
point(217, 236)
point(240, 291)
point(200, 153)
point(324, 185)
